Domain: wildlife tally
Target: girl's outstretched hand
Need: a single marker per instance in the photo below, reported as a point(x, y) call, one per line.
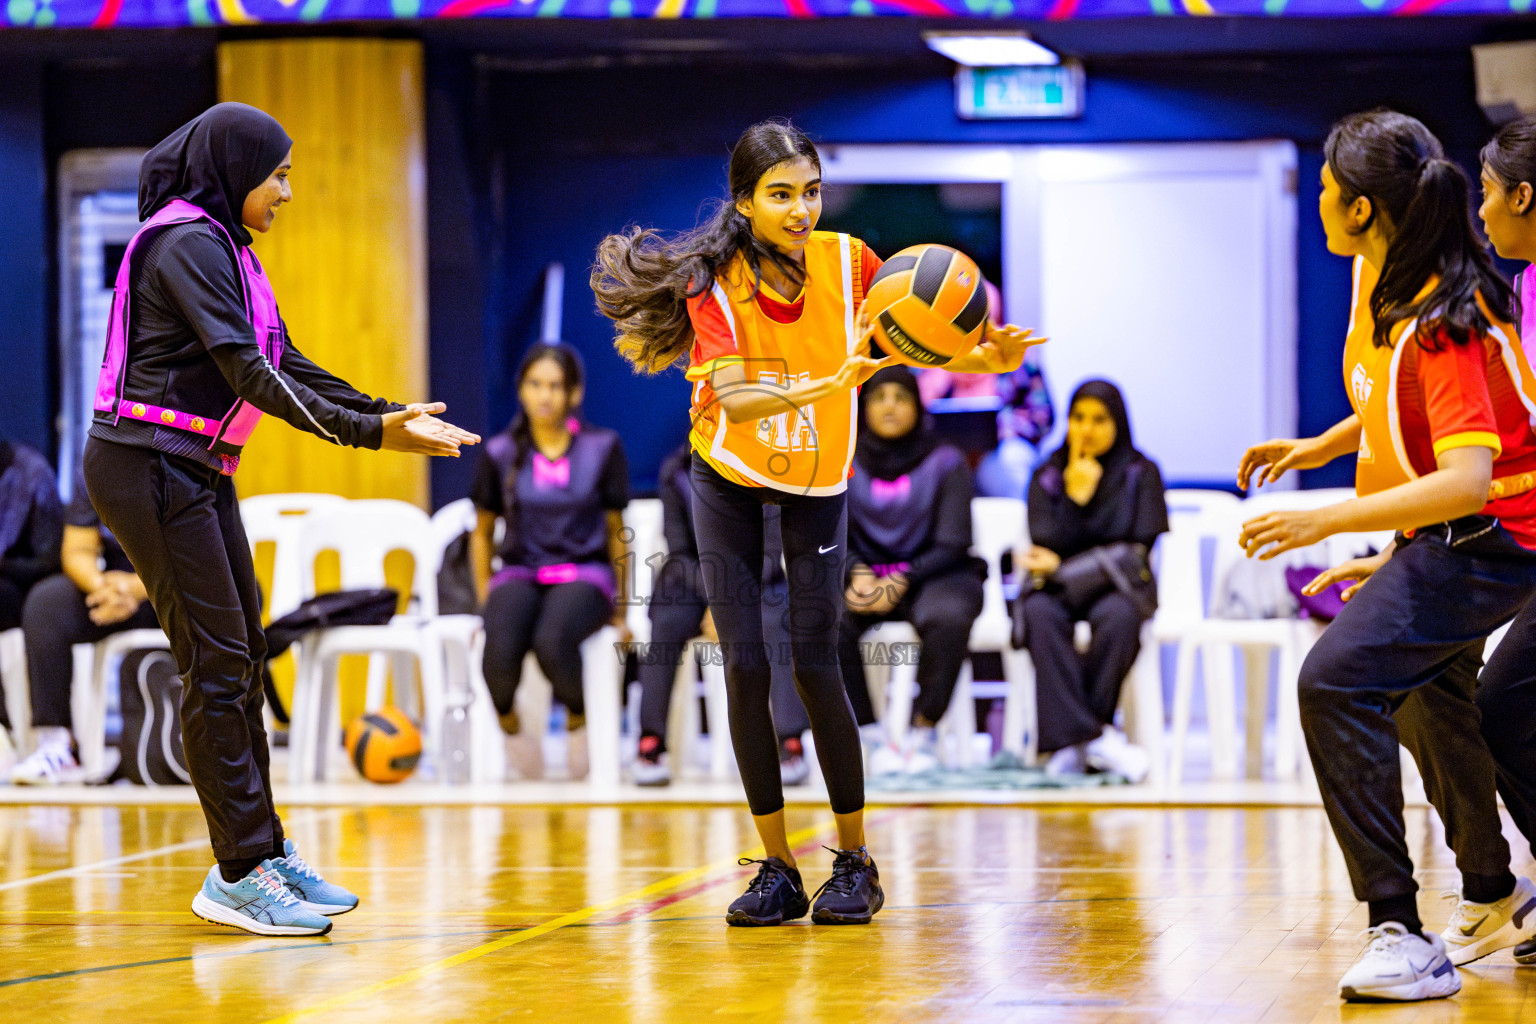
point(1001, 350)
point(416, 428)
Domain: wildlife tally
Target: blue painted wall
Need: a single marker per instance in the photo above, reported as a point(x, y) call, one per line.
point(25, 349)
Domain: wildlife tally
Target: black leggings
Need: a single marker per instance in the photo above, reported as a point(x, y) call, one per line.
point(728, 521)
point(942, 610)
point(549, 620)
point(179, 523)
point(54, 619)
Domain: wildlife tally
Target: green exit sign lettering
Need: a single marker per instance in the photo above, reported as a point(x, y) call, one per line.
point(1053, 91)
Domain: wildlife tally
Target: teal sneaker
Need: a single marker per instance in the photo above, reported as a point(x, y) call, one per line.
point(314, 893)
point(258, 903)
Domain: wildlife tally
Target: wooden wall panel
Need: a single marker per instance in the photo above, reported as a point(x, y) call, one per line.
point(347, 257)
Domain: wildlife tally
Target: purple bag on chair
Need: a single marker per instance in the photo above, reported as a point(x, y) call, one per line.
point(1324, 607)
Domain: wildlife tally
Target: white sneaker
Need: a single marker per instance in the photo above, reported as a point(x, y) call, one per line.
point(47, 766)
point(1398, 967)
point(923, 751)
point(1477, 929)
point(887, 759)
point(1067, 761)
point(653, 771)
point(1112, 752)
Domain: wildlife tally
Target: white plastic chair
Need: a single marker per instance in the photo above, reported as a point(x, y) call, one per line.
point(463, 642)
point(1178, 565)
point(997, 525)
point(277, 519)
point(643, 518)
point(18, 695)
point(362, 534)
point(1289, 637)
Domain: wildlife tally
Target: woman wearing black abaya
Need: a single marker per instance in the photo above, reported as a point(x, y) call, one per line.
point(196, 351)
point(1095, 491)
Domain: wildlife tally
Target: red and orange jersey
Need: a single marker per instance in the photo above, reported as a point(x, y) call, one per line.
point(780, 342)
point(1417, 401)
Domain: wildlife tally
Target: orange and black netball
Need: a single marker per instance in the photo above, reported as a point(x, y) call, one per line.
point(927, 305)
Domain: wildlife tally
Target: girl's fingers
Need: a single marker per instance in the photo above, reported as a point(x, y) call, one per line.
point(1347, 594)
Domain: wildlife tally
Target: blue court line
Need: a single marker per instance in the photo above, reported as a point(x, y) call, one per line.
point(326, 943)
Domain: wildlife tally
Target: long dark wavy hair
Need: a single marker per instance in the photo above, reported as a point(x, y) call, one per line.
point(1395, 162)
point(643, 280)
point(569, 361)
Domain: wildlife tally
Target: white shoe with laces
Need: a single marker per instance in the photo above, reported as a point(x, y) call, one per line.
point(47, 766)
point(1477, 929)
point(1399, 967)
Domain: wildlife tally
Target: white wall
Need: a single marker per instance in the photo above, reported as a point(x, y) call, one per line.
point(1170, 269)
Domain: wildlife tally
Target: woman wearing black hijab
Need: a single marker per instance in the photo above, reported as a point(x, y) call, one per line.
point(1095, 491)
point(195, 352)
point(909, 536)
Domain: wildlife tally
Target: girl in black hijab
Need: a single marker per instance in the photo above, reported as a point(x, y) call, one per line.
point(185, 363)
point(1096, 490)
point(909, 535)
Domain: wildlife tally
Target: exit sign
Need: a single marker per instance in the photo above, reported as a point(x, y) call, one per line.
point(1049, 91)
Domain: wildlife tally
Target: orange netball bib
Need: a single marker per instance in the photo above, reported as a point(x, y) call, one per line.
point(806, 450)
point(1372, 374)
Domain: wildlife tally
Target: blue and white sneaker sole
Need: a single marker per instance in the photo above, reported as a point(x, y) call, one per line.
point(325, 909)
point(217, 913)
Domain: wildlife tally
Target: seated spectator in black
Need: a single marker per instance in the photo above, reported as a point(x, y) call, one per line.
point(561, 486)
point(96, 595)
point(31, 529)
point(909, 539)
point(1094, 492)
point(678, 613)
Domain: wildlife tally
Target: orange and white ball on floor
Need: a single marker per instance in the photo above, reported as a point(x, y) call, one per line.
point(927, 305)
point(384, 745)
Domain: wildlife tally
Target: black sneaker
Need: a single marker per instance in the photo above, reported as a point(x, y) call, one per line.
point(852, 895)
point(1525, 953)
point(776, 895)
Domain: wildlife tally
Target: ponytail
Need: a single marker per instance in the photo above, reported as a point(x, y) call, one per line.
point(643, 280)
point(1395, 162)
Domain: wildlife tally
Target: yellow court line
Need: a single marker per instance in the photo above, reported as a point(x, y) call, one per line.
point(496, 945)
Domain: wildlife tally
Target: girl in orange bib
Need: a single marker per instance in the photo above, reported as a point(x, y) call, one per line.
point(766, 311)
point(1442, 432)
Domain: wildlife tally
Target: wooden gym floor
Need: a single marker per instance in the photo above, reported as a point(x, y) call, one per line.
point(1071, 914)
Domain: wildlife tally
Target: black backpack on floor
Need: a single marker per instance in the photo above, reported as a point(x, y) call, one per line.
point(149, 692)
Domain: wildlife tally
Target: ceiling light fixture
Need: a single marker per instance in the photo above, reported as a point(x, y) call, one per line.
point(991, 49)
